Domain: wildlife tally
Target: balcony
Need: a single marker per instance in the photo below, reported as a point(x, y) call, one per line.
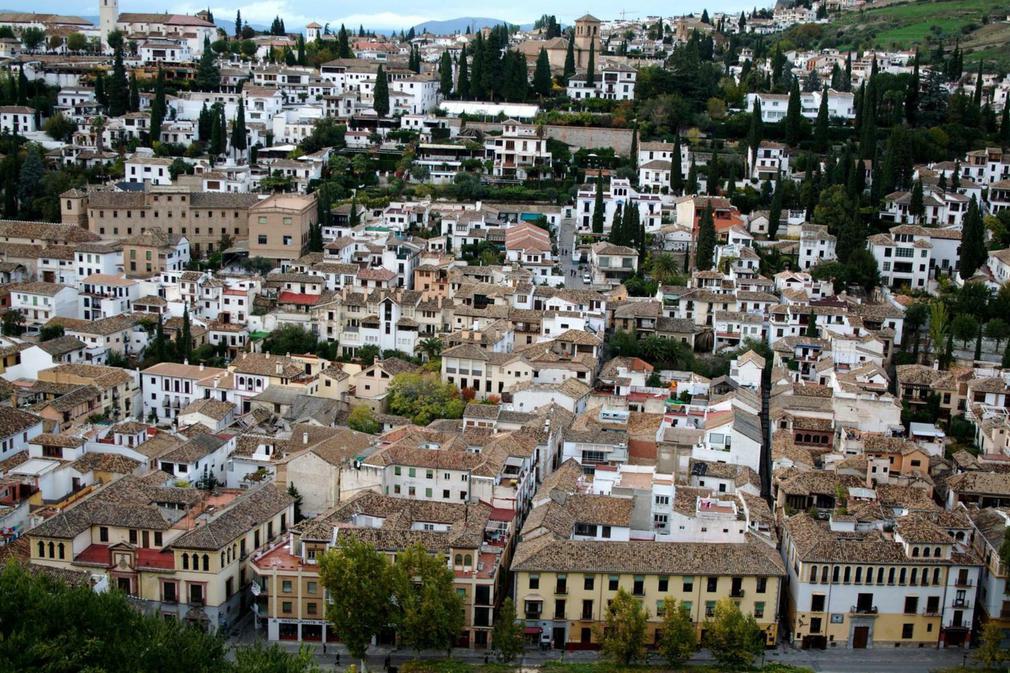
point(863, 610)
point(961, 603)
point(736, 593)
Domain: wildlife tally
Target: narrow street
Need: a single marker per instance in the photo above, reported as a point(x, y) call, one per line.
point(566, 243)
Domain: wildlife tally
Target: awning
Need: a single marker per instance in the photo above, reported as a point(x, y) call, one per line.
point(533, 630)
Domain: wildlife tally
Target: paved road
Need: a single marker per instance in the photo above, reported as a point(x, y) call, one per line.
point(566, 242)
point(882, 660)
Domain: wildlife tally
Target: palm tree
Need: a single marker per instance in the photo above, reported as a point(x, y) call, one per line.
point(431, 347)
point(664, 268)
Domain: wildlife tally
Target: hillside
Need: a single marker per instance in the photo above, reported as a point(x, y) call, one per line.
point(459, 25)
point(980, 26)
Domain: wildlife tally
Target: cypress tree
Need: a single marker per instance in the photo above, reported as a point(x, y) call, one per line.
point(714, 176)
point(676, 176)
point(134, 94)
point(238, 131)
point(158, 108)
point(634, 146)
point(976, 98)
point(445, 74)
point(463, 82)
point(380, 96)
point(847, 76)
point(301, 49)
point(1004, 125)
point(754, 136)
point(477, 91)
point(692, 179)
point(973, 251)
point(186, 336)
point(100, 94)
point(705, 249)
point(216, 133)
point(617, 226)
point(591, 64)
point(569, 68)
point(912, 93)
point(821, 126)
point(238, 23)
point(208, 75)
point(119, 87)
point(343, 44)
point(598, 207)
point(775, 211)
point(542, 74)
point(868, 125)
point(794, 116)
point(916, 207)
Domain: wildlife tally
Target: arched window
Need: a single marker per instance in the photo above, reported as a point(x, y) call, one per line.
point(459, 559)
point(185, 561)
point(61, 549)
point(52, 550)
point(834, 574)
point(467, 561)
point(813, 573)
point(890, 576)
point(206, 562)
point(42, 549)
point(915, 576)
point(222, 559)
point(880, 575)
point(859, 575)
point(902, 575)
point(915, 552)
point(936, 575)
point(936, 552)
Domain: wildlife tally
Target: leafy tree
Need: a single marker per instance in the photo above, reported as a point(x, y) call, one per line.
point(32, 37)
point(973, 250)
point(705, 247)
point(938, 327)
point(998, 330)
point(429, 612)
point(991, 653)
point(733, 638)
point(362, 419)
point(507, 636)
point(542, 75)
point(30, 180)
point(623, 636)
point(360, 586)
point(77, 42)
point(423, 398)
point(59, 127)
point(380, 96)
point(208, 74)
point(598, 207)
point(13, 323)
point(263, 658)
point(431, 347)
point(48, 332)
point(964, 328)
point(679, 639)
point(290, 338)
point(297, 497)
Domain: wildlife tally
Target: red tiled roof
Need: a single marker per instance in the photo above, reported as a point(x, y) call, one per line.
point(297, 298)
point(99, 554)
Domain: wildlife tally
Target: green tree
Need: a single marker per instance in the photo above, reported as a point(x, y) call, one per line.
point(13, 322)
point(821, 125)
point(756, 132)
point(359, 583)
point(238, 133)
point(794, 118)
point(705, 247)
point(569, 67)
point(290, 338)
point(676, 170)
point(77, 42)
point(964, 328)
point(429, 612)
point(271, 658)
point(938, 327)
point(48, 332)
point(343, 44)
point(118, 86)
point(679, 639)
point(598, 207)
point(991, 653)
point(208, 74)
point(431, 347)
point(380, 96)
point(158, 107)
point(542, 75)
point(912, 93)
point(297, 498)
point(916, 205)
point(998, 330)
point(775, 211)
point(507, 636)
point(591, 64)
point(916, 317)
point(733, 638)
point(623, 636)
point(423, 398)
point(691, 186)
point(463, 79)
point(30, 179)
point(362, 419)
point(445, 74)
point(59, 127)
point(973, 250)
point(185, 345)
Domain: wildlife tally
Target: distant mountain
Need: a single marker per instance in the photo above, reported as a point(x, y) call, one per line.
point(450, 26)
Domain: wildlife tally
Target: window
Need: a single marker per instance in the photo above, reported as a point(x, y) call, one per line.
point(534, 581)
point(762, 585)
point(286, 607)
point(103, 534)
point(638, 588)
point(907, 631)
point(261, 239)
point(688, 585)
point(911, 605)
point(709, 609)
point(759, 609)
point(286, 586)
point(817, 603)
point(664, 583)
point(613, 582)
point(588, 582)
point(933, 605)
point(712, 585)
point(561, 584)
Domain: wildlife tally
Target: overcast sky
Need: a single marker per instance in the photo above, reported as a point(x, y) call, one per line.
point(386, 14)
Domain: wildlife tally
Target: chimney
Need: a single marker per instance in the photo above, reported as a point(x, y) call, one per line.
point(280, 368)
point(305, 438)
point(268, 355)
point(201, 366)
point(185, 361)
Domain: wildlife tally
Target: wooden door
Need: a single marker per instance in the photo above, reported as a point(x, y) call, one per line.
point(860, 637)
